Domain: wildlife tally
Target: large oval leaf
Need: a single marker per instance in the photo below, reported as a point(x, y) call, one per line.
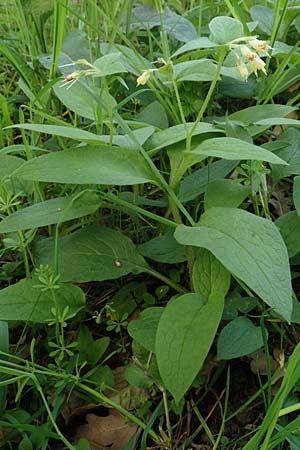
point(251, 248)
point(225, 29)
point(185, 333)
point(232, 148)
point(92, 254)
point(89, 165)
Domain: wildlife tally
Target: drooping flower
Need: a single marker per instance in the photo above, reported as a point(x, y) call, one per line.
point(247, 53)
point(143, 78)
point(259, 46)
point(257, 64)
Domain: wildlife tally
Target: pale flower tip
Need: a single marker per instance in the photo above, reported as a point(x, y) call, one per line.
point(260, 46)
point(243, 71)
point(143, 78)
point(257, 64)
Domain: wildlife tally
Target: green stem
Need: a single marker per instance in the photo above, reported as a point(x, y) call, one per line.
point(207, 99)
point(166, 280)
point(25, 255)
point(182, 116)
point(138, 210)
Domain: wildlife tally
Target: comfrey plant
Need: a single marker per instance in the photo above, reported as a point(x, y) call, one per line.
point(159, 167)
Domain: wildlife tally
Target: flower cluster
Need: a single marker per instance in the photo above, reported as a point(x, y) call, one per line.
point(248, 59)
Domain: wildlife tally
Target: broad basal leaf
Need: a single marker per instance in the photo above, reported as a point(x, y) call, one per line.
point(92, 254)
point(232, 148)
point(89, 165)
point(185, 333)
point(209, 275)
point(51, 211)
point(22, 301)
point(251, 248)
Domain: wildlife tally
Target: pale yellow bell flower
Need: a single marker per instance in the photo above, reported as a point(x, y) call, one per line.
point(143, 78)
point(257, 64)
point(259, 46)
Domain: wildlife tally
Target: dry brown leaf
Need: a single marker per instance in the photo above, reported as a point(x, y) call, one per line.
point(278, 129)
point(128, 396)
point(294, 87)
point(111, 430)
point(259, 364)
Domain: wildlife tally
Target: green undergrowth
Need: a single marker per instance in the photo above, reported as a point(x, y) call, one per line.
point(150, 203)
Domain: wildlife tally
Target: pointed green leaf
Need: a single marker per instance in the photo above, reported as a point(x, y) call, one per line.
point(51, 211)
point(232, 148)
point(59, 130)
point(251, 248)
point(89, 165)
point(184, 336)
